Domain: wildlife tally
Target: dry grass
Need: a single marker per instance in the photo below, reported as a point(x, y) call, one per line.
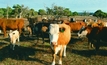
point(29, 54)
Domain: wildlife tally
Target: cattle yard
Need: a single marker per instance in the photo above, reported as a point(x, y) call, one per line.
point(32, 53)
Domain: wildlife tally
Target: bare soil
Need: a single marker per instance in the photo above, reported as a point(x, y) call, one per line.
point(40, 54)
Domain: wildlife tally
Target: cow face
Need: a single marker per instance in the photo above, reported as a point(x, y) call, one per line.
point(54, 33)
point(83, 33)
point(10, 34)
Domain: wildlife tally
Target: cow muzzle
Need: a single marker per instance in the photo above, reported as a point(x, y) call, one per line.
point(54, 43)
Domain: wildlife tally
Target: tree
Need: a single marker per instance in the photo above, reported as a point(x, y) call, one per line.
point(67, 12)
point(19, 10)
point(1, 12)
point(100, 14)
point(49, 11)
point(85, 13)
point(75, 13)
point(32, 12)
point(8, 11)
point(58, 10)
point(42, 12)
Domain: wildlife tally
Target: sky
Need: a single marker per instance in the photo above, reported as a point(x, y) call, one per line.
point(73, 5)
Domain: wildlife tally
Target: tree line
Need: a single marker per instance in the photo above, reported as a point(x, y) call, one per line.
point(19, 11)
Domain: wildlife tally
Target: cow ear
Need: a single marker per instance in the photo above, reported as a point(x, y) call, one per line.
point(10, 31)
point(61, 29)
point(51, 24)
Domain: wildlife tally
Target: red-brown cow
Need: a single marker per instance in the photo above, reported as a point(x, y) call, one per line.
point(11, 24)
point(75, 26)
point(95, 35)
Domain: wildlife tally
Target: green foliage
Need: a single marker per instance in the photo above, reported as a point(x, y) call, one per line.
point(32, 12)
point(1, 12)
point(100, 14)
point(67, 12)
point(75, 13)
point(19, 11)
point(42, 12)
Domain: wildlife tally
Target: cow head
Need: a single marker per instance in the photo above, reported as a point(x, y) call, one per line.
point(82, 32)
point(54, 33)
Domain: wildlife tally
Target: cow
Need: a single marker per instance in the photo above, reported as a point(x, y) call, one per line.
point(95, 35)
point(29, 30)
point(14, 37)
point(75, 26)
point(11, 24)
point(41, 29)
point(95, 23)
point(60, 35)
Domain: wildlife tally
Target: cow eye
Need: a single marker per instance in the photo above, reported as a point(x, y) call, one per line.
point(61, 29)
point(13, 33)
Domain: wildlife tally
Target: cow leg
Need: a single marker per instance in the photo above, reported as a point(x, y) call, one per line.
point(37, 38)
point(56, 50)
point(13, 46)
point(20, 30)
point(64, 51)
point(60, 56)
point(97, 45)
point(18, 42)
point(43, 38)
point(4, 31)
point(54, 57)
point(89, 45)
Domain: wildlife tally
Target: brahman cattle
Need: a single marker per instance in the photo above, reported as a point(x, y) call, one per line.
point(60, 35)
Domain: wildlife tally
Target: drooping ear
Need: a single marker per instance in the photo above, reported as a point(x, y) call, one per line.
point(10, 31)
point(61, 29)
point(51, 24)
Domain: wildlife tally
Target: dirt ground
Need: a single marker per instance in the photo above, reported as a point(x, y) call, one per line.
point(40, 54)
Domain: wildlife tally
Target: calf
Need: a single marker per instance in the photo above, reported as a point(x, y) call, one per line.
point(14, 37)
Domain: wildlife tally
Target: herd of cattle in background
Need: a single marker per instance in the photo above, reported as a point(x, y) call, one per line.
point(59, 31)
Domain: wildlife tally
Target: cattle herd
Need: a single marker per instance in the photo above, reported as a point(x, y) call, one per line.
point(58, 31)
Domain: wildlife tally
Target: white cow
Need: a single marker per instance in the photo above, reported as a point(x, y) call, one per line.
point(14, 37)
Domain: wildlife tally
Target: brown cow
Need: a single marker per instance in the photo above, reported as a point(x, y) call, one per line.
point(11, 24)
point(75, 26)
point(60, 35)
point(95, 35)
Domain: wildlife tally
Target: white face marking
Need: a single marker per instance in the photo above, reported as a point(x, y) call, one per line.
point(54, 32)
point(83, 33)
point(105, 24)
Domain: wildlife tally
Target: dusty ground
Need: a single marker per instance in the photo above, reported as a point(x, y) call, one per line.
point(30, 54)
